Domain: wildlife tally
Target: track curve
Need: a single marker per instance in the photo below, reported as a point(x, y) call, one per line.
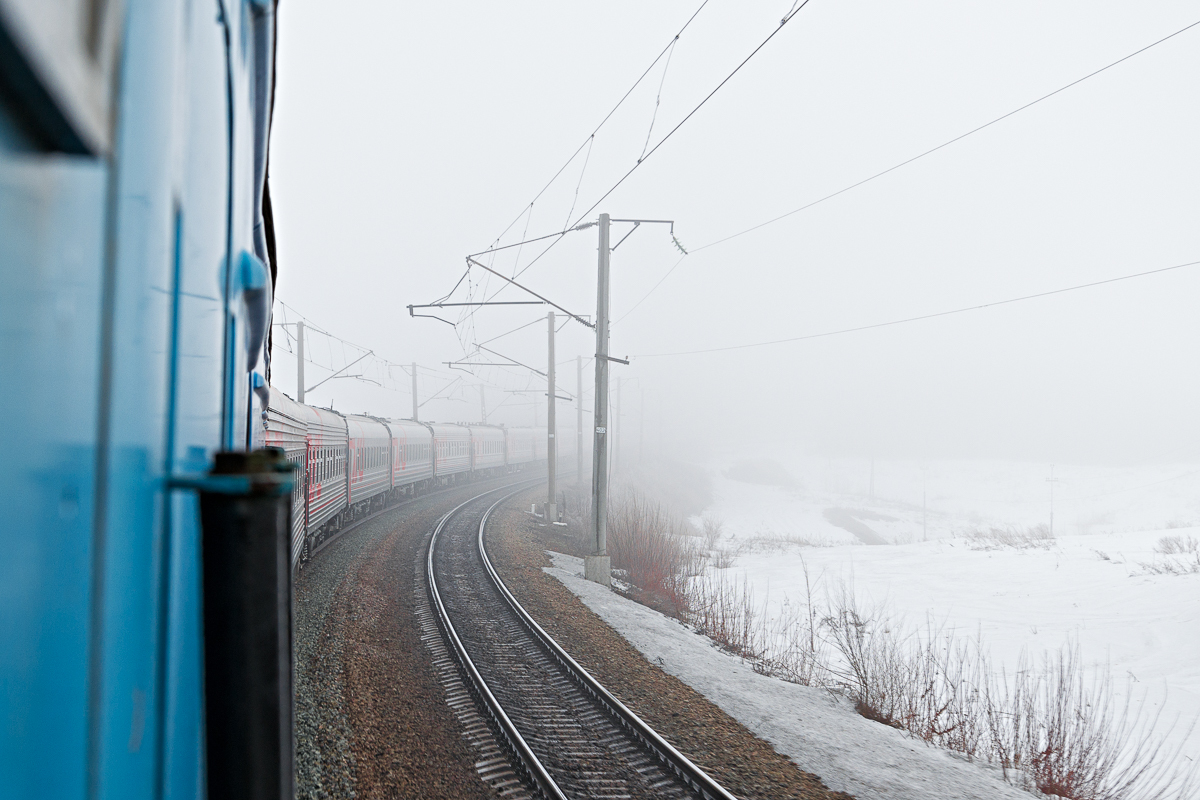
point(567, 735)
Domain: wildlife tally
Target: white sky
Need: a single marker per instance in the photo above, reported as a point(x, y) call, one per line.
point(409, 135)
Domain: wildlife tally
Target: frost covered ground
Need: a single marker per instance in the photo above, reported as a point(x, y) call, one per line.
point(1094, 584)
point(821, 733)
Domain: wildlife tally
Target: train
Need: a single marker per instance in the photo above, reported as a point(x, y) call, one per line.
point(349, 466)
point(137, 251)
point(138, 260)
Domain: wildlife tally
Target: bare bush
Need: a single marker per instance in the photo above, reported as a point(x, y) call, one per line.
point(653, 548)
point(723, 558)
point(1172, 565)
point(1180, 555)
point(1177, 545)
point(1053, 731)
point(787, 646)
point(711, 529)
point(1048, 727)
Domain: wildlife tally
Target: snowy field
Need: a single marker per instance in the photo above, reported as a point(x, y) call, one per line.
point(1097, 583)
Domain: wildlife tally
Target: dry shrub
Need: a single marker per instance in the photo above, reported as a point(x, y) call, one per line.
point(711, 529)
point(1180, 555)
point(1177, 545)
point(1048, 727)
point(786, 645)
point(723, 558)
point(654, 549)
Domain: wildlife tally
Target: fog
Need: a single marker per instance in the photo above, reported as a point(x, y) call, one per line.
point(407, 136)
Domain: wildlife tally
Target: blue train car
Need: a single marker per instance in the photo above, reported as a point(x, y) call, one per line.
point(135, 296)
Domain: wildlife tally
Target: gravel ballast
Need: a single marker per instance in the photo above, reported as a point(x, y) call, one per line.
point(744, 764)
point(371, 716)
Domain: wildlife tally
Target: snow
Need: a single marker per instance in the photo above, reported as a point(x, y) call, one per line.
point(900, 534)
point(1088, 586)
point(820, 732)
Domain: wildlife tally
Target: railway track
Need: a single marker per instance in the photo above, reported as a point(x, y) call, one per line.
point(564, 734)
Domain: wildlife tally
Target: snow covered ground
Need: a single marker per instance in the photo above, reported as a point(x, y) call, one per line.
point(820, 733)
point(1089, 585)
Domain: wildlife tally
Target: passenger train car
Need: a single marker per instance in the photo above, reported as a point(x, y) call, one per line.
point(350, 466)
point(137, 266)
point(137, 274)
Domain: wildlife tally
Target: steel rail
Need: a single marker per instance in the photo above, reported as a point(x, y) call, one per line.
point(511, 738)
point(689, 773)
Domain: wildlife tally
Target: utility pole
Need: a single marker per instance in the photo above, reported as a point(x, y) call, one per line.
point(551, 422)
point(300, 361)
point(578, 420)
point(1052, 480)
point(598, 566)
point(414, 391)
point(482, 405)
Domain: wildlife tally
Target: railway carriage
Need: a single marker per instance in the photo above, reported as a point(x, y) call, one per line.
point(287, 429)
point(452, 452)
point(412, 455)
point(487, 450)
point(369, 464)
point(137, 249)
point(519, 447)
point(325, 482)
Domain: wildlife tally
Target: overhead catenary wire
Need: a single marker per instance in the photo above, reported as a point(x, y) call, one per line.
point(921, 317)
point(591, 137)
point(796, 9)
point(949, 142)
point(557, 237)
point(904, 163)
point(386, 366)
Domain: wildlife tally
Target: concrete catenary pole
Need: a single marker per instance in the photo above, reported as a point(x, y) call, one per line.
point(482, 405)
point(598, 566)
point(578, 420)
point(414, 391)
point(300, 361)
point(551, 422)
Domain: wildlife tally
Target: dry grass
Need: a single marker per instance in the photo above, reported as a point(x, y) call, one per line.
point(1178, 545)
point(1036, 536)
point(1177, 555)
point(1050, 729)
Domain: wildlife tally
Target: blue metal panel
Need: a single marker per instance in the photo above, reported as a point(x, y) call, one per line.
point(196, 398)
point(52, 229)
point(114, 324)
point(128, 671)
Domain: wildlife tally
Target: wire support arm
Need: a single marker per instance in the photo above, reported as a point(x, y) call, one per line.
point(548, 302)
point(340, 371)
